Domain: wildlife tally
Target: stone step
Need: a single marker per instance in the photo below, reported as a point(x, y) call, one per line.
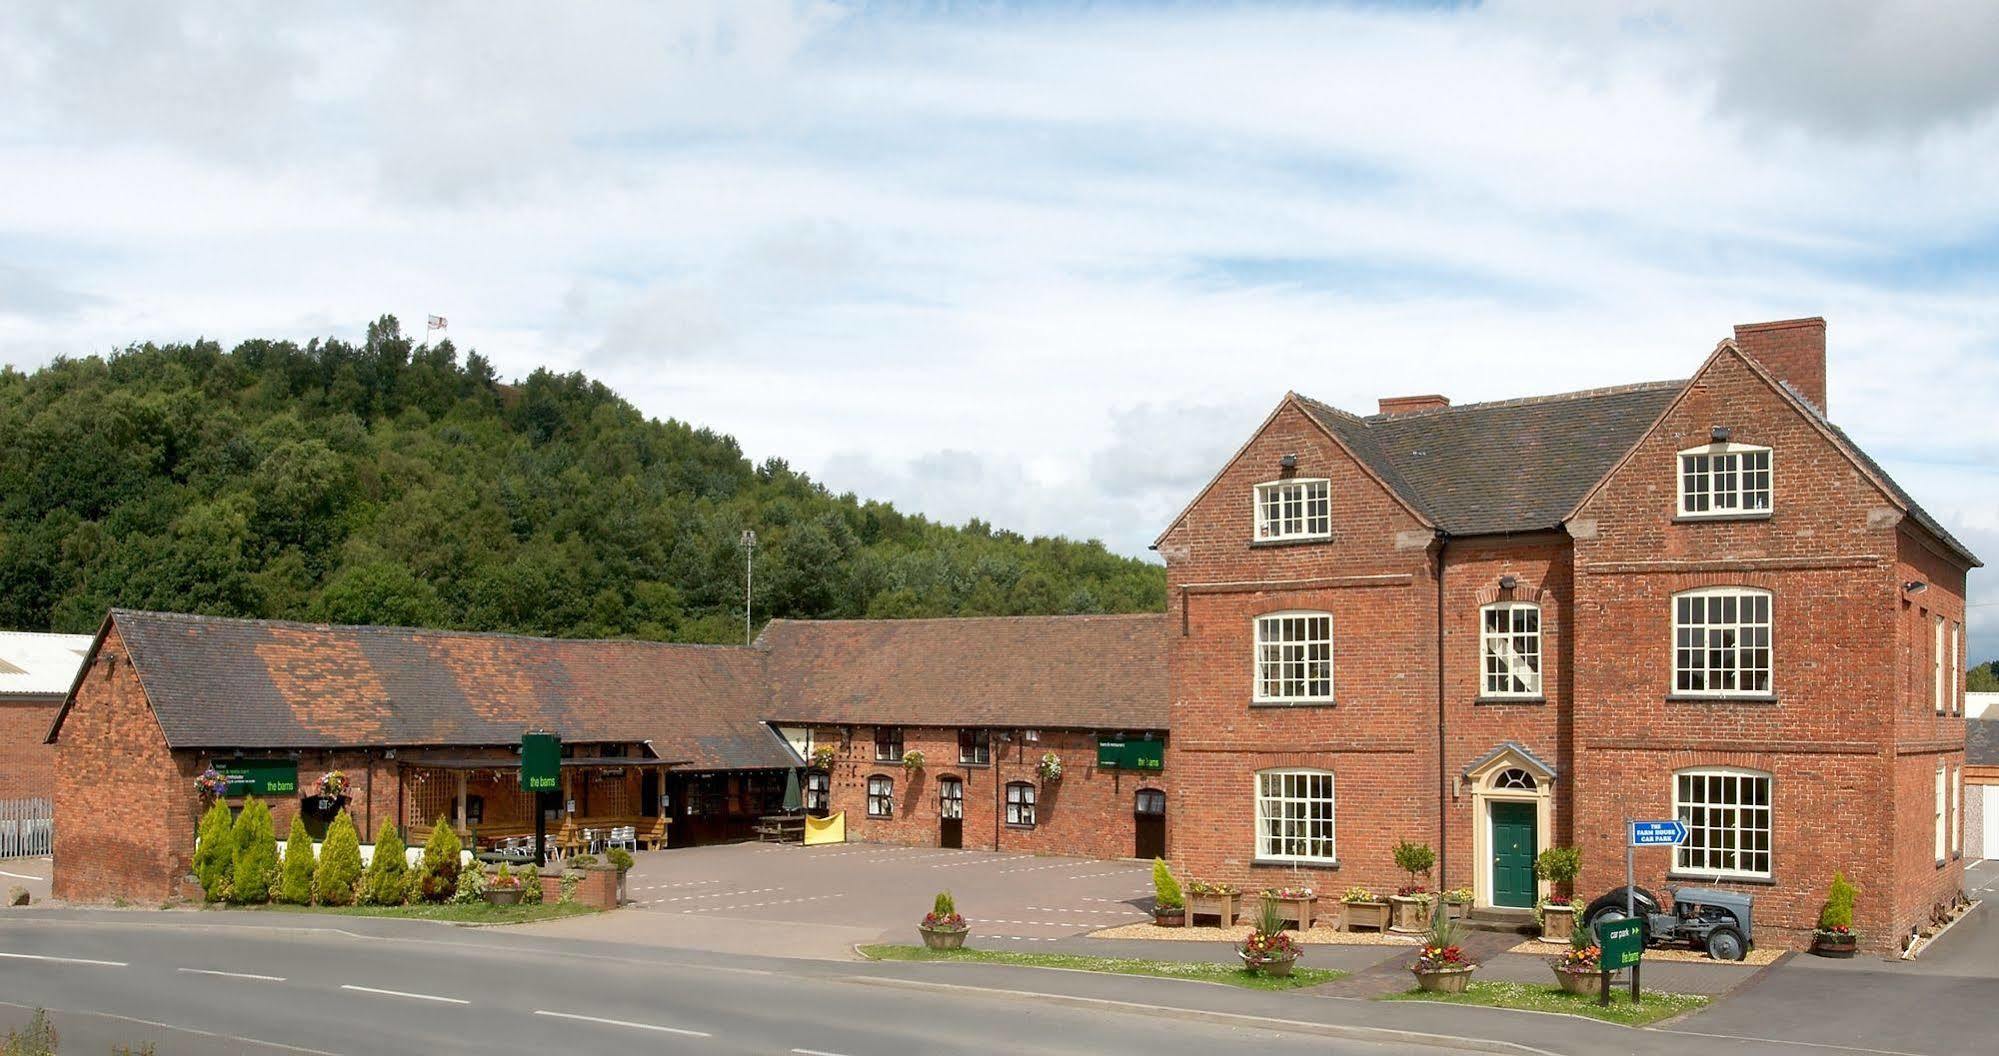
point(1520, 921)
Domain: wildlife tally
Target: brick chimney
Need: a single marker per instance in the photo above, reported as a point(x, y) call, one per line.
point(1792, 349)
point(1393, 405)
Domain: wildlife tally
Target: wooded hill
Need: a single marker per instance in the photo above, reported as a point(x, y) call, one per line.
point(392, 484)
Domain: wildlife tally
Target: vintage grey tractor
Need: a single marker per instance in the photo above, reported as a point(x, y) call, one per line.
point(1703, 918)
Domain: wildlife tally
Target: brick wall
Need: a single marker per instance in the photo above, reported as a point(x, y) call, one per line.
point(1827, 553)
point(125, 806)
point(1088, 812)
point(1377, 578)
point(26, 764)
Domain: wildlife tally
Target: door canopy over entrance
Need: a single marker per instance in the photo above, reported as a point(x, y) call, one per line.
point(1512, 800)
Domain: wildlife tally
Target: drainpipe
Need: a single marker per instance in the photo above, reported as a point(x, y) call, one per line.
point(1443, 779)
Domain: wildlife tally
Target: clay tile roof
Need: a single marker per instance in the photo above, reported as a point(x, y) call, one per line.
point(1508, 466)
point(217, 682)
point(1054, 672)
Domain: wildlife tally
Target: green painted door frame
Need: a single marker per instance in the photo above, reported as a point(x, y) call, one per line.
point(1513, 849)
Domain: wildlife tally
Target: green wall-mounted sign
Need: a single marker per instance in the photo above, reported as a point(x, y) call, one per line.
point(259, 777)
point(541, 762)
point(1131, 755)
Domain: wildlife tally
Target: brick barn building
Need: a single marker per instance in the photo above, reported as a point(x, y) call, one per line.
point(1500, 627)
point(671, 739)
point(984, 700)
point(35, 672)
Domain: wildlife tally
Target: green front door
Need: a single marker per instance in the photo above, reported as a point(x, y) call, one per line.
point(1513, 855)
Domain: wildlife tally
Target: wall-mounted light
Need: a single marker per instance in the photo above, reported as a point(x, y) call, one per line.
point(1915, 586)
point(1288, 461)
point(1508, 582)
point(1719, 434)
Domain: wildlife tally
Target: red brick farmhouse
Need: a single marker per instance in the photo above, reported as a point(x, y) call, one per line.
point(1491, 628)
point(1500, 627)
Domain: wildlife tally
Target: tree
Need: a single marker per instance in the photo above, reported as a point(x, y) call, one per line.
point(215, 852)
point(437, 876)
point(256, 862)
point(339, 863)
point(1984, 678)
point(1416, 859)
point(386, 882)
point(295, 875)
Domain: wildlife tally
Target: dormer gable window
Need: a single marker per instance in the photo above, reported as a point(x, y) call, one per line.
point(1294, 509)
point(1724, 480)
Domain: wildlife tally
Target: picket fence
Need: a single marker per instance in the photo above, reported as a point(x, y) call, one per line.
point(27, 827)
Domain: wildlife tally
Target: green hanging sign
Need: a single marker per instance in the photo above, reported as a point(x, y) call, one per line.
point(541, 762)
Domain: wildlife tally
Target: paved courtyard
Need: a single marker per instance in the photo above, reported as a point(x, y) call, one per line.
point(882, 890)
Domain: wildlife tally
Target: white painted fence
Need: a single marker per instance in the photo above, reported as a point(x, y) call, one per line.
point(27, 827)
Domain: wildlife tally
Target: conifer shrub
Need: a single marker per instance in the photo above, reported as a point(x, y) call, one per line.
point(295, 873)
point(256, 864)
point(437, 876)
point(339, 870)
point(1166, 890)
point(530, 886)
point(1838, 912)
point(215, 853)
point(386, 881)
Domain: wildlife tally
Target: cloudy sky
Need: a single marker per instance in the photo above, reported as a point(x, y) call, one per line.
point(1043, 264)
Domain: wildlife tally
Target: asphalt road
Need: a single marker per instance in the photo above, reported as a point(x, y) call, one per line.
point(201, 988)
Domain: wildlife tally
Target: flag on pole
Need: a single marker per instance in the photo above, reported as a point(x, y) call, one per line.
point(437, 322)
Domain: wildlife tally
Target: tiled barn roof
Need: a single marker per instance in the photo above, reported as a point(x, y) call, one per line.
point(1053, 672)
point(217, 682)
point(1508, 466)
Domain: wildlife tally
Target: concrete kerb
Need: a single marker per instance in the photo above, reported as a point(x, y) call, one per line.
point(1331, 1030)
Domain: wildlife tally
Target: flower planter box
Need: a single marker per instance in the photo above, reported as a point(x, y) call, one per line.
point(1224, 907)
point(1411, 914)
point(1356, 915)
point(1557, 922)
point(1299, 912)
point(1170, 918)
point(943, 938)
point(1442, 981)
point(502, 896)
point(1826, 944)
point(1278, 967)
point(1585, 984)
point(1457, 910)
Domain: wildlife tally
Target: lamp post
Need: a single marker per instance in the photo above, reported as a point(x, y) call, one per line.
point(749, 549)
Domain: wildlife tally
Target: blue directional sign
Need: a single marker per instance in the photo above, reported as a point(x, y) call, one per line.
point(1658, 833)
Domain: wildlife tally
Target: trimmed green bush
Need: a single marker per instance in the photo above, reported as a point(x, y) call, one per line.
point(530, 886)
point(339, 868)
point(1416, 859)
point(437, 876)
point(1838, 911)
point(1559, 866)
point(256, 864)
point(943, 906)
point(471, 883)
point(619, 857)
point(215, 853)
point(1166, 890)
point(295, 874)
point(386, 883)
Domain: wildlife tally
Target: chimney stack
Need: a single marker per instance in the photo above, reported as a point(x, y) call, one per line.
point(1394, 405)
point(1791, 349)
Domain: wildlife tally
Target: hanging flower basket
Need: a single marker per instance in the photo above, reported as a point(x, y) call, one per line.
point(824, 756)
point(333, 783)
point(211, 784)
point(912, 761)
point(1050, 767)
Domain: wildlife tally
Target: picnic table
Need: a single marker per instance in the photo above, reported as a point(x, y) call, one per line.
point(780, 828)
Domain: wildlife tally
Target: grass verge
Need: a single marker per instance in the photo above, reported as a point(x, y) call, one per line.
point(450, 912)
point(1204, 972)
point(1537, 998)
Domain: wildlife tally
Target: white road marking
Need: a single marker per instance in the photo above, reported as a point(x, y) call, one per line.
point(405, 993)
point(624, 1023)
point(184, 1030)
point(1125, 912)
point(815, 1052)
point(720, 894)
point(1781, 1041)
point(758, 905)
point(233, 975)
point(20, 876)
point(64, 960)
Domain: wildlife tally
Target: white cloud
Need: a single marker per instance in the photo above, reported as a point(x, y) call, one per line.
point(1039, 266)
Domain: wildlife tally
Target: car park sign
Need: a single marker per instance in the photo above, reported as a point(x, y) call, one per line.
point(1658, 833)
point(1621, 942)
